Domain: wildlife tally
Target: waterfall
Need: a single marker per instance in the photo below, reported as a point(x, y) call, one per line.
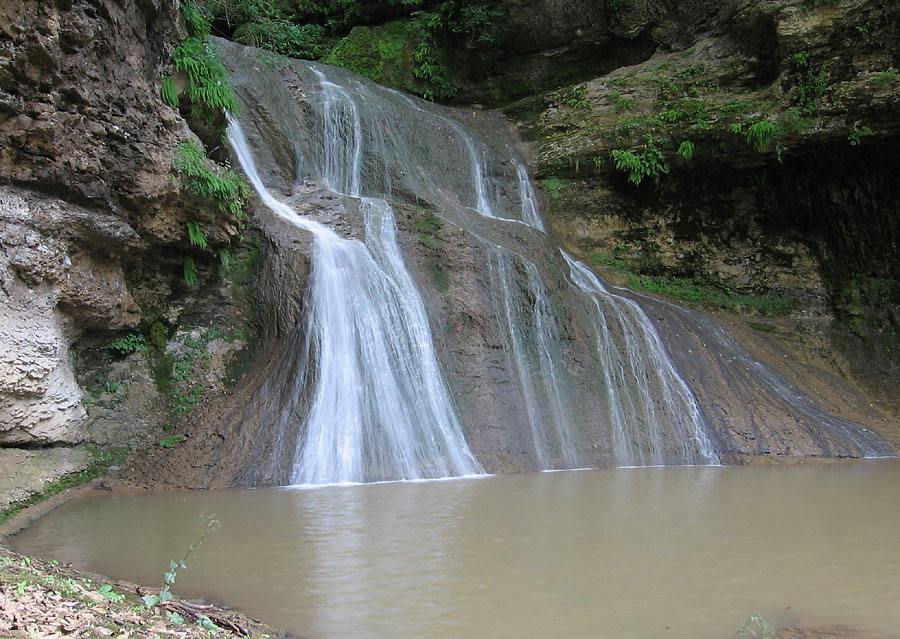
point(658, 399)
point(545, 366)
point(380, 408)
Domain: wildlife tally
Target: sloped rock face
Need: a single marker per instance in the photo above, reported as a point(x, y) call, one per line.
point(805, 214)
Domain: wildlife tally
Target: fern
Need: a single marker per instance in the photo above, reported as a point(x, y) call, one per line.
point(208, 89)
point(628, 161)
point(224, 185)
point(169, 92)
point(196, 235)
point(227, 260)
point(760, 135)
point(650, 163)
point(686, 150)
point(196, 17)
point(190, 270)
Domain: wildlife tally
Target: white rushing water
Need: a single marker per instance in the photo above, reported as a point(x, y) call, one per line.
point(379, 406)
point(649, 402)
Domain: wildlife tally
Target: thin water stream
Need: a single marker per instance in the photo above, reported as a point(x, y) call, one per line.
point(680, 553)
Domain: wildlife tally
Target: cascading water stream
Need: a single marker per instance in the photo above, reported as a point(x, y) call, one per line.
point(379, 408)
point(641, 362)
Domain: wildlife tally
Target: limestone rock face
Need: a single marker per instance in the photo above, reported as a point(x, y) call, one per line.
point(53, 284)
point(86, 150)
point(25, 472)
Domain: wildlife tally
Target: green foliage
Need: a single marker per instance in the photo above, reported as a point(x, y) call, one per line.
point(857, 133)
point(428, 227)
point(573, 97)
point(556, 191)
point(811, 83)
point(403, 43)
point(126, 344)
point(196, 235)
point(686, 149)
point(190, 270)
point(101, 460)
point(263, 24)
point(208, 179)
point(884, 79)
point(687, 290)
point(107, 591)
point(649, 163)
point(169, 576)
point(432, 71)
point(226, 259)
point(196, 17)
point(159, 335)
point(620, 103)
point(169, 92)
point(760, 135)
point(171, 441)
point(208, 89)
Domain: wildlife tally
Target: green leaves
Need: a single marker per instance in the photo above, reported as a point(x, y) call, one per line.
point(760, 135)
point(196, 236)
point(107, 591)
point(208, 179)
point(190, 270)
point(686, 149)
point(650, 163)
point(208, 88)
point(169, 92)
point(151, 601)
point(126, 344)
point(170, 442)
point(811, 83)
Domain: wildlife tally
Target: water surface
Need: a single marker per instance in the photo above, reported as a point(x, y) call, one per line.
point(686, 552)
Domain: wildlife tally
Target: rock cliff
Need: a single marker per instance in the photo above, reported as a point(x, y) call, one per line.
point(92, 229)
point(745, 162)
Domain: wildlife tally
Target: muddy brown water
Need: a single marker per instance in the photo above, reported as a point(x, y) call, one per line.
point(625, 553)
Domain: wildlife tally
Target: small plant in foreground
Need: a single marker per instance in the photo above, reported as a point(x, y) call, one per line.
point(165, 593)
point(171, 441)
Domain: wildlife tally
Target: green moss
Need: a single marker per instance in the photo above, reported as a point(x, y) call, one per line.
point(689, 291)
point(428, 228)
point(399, 54)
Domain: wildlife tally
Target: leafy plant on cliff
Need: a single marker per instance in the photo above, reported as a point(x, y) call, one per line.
point(208, 90)
point(211, 180)
point(169, 92)
point(884, 79)
point(126, 344)
point(811, 83)
point(760, 135)
point(858, 133)
point(649, 163)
